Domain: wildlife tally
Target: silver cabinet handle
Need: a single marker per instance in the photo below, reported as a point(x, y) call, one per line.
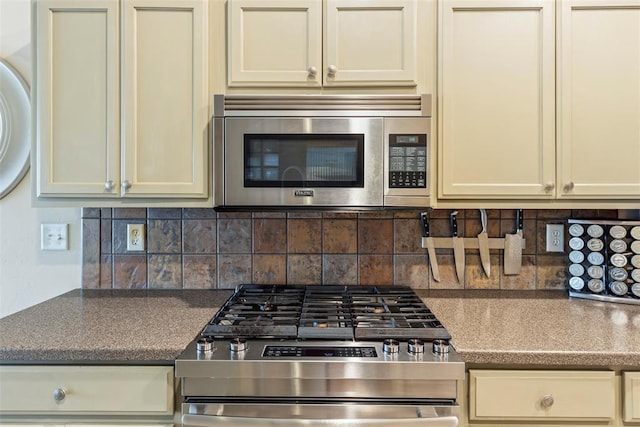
point(126, 185)
point(59, 394)
point(109, 185)
point(313, 71)
point(568, 187)
point(332, 70)
point(547, 401)
point(549, 186)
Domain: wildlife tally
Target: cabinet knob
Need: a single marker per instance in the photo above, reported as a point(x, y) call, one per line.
point(549, 186)
point(568, 187)
point(126, 185)
point(109, 185)
point(313, 71)
point(59, 394)
point(332, 70)
point(546, 401)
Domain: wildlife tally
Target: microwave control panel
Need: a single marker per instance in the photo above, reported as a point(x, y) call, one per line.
point(408, 160)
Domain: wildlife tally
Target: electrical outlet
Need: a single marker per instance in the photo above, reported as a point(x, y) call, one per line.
point(54, 237)
point(135, 237)
point(555, 237)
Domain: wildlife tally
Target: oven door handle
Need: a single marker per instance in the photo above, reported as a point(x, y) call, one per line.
point(208, 421)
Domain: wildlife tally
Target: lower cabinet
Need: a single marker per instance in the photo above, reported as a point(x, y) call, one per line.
point(86, 395)
point(631, 397)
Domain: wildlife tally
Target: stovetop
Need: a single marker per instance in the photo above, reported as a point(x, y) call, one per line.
point(360, 313)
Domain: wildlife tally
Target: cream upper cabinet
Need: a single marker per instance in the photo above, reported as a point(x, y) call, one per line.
point(599, 98)
point(121, 103)
point(496, 99)
point(315, 43)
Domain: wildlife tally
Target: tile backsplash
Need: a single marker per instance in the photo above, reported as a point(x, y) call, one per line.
point(202, 248)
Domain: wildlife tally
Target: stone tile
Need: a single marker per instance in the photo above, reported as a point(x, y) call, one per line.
point(119, 235)
point(407, 214)
point(106, 271)
point(375, 215)
point(303, 214)
point(130, 271)
point(526, 280)
point(90, 253)
point(269, 235)
point(473, 225)
point(199, 236)
point(164, 236)
point(165, 271)
point(106, 213)
point(511, 214)
point(340, 215)
point(234, 235)
point(304, 236)
point(233, 270)
point(552, 272)
point(164, 213)
point(584, 213)
point(270, 269)
point(441, 227)
point(444, 213)
point(106, 246)
point(199, 213)
point(475, 277)
point(340, 269)
point(376, 269)
point(234, 215)
point(412, 270)
point(608, 213)
point(129, 213)
point(273, 215)
point(199, 271)
point(304, 269)
point(407, 236)
point(554, 213)
point(340, 236)
point(375, 236)
point(90, 213)
point(447, 268)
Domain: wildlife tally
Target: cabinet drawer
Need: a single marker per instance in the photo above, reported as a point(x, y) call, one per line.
point(536, 395)
point(632, 397)
point(100, 390)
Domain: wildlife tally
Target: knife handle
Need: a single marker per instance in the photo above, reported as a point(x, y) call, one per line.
point(424, 216)
point(454, 223)
point(519, 219)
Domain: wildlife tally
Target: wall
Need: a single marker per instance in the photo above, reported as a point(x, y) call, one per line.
point(28, 275)
point(200, 248)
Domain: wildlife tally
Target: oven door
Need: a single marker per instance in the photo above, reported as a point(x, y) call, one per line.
point(302, 161)
point(319, 414)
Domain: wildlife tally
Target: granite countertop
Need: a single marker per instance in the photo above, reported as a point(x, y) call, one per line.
point(489, 328)
point(108, 326)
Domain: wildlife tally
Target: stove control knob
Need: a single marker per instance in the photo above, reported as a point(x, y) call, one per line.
point(238, 345)
point(440, 347)
point(415, 346)
point(204, 345)
point(390, 346)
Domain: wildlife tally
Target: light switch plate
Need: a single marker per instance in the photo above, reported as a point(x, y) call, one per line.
point(54, 237)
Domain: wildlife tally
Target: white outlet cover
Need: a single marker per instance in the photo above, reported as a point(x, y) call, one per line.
point(54, 237)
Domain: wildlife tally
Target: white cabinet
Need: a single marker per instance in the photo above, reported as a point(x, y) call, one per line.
point(496, 99)
point(86, 391)
point(542, 396)
point(121, 102)
point(599, 99)
point(314, 43)
point(631, 394)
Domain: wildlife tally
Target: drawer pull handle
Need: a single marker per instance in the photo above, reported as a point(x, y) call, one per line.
point(547, 401)
point(59, 394)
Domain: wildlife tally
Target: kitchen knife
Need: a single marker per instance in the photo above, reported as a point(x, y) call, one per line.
point(458, 247)
point(483, 244)
point(428, 241)
point(513, 247)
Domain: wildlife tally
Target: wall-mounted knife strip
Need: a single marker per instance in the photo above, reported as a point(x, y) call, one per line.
point(469, 243)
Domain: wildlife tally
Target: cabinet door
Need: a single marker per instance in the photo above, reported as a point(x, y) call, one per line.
point(599, 98)
point(370, 42)
point(275, 43)
point(632, 397)
point(165, 105)
point(76, 97)
point(497, 99)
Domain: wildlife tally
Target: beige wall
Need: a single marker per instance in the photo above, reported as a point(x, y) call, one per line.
point(28, 275)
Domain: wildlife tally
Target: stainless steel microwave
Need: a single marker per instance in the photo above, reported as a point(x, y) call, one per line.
point(322, 151)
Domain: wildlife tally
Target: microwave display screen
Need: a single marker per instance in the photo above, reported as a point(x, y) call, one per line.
point(304, 160)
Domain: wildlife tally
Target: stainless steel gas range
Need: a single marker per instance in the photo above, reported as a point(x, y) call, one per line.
point(321, 355)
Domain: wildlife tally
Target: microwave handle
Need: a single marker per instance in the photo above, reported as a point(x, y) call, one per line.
point(213, 421)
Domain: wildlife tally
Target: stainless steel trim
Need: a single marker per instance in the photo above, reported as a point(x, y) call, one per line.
point(598, 297)
point(320, 414)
